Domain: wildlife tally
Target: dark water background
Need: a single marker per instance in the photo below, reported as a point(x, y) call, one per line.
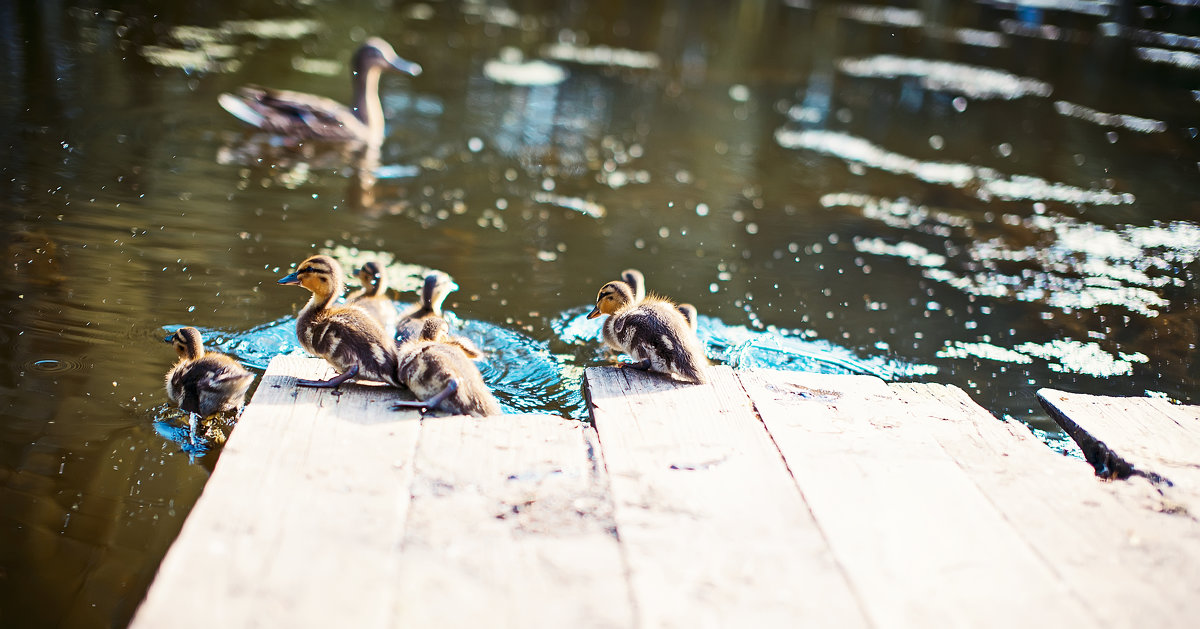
point(998, 195)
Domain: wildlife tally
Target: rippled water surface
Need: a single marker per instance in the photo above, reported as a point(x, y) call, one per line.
point(997, 195)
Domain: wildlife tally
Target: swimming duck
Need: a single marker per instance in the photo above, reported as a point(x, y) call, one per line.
point(442, 375)
point(347, 337)
point(308, 116)
point(203, 383)
point(433, 293)
point(637, 282)
point(373, 297)
point(652, 331)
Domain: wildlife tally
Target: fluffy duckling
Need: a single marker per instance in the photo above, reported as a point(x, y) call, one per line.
point(637, 282)
point(301, 115)
point(203, 383)
point(345, 336)
point(442, 375)
point(651, 331)
point(433, 293)
point(373, 297)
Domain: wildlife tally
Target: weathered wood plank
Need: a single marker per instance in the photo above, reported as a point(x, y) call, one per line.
point(300, 522)
point(510, 526)
point(1133, 567)
point(1123, 436)
point(921, 544)
point(711, 524)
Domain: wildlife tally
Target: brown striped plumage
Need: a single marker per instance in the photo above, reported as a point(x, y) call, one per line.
point(346, 337)
point(373, 297)
point(651, 330)
point(204, 383)
point(434, 290)
point(438, 370)
point(637, 282)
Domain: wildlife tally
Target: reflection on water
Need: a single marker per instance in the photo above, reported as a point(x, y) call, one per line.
point(996, 195)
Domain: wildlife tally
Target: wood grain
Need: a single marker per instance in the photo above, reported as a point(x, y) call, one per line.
point(922, 545)
point(712, 527)
point(510, 526)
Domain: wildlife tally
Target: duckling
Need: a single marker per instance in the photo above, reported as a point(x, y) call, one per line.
point(433, 292)
point(203, 383)
point(345, 336)
point(442, 375)
point(651, 331)
point(637, 282)
point(308, 116)
point(373, 297)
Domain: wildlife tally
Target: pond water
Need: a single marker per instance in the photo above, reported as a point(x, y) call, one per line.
point(997, 195)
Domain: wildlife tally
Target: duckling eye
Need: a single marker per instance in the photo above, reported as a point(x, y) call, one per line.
point(306, 269)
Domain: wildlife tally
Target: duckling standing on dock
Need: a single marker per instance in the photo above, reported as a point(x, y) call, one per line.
point(442, 375)
point(307, 116)
point(637, 282)
point(373, 297)
point(345, 336)
point(652, 331)
point(433, 293)
point(203, 383)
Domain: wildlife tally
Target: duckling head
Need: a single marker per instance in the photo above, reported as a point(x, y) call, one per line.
point(376, 53)
point(320, 274)
point(636, 281)
point(437, 286)
point(187, 342)
point(612, 298)
point(372, 277)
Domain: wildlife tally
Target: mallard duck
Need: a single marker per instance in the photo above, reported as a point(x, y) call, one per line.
point(652, 331)
point(308, 116)
point(637, 282)
point(347, 337)
point(433, 293)
point(442, 375)
point(203, 383)
point(373, 297)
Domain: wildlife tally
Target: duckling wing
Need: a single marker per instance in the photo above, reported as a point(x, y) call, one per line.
point(293, 113)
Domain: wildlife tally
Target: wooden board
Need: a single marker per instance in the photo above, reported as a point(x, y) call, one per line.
point(921, 543)
point(330, 510)
point(714, 532)
point(510, 526)
point(1126, 436)
point(1132, 567)
point(299, 522)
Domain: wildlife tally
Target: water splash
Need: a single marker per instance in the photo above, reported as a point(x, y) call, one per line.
point(743, 348)
point(1062, 356)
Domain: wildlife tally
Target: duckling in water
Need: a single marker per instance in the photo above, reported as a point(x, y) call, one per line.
point(308, 116)
point(373, 297)
point(438, 370)
point(433, 293)
point(652, 331)
point(203, 383)
point(345, 336)
point(637, 282)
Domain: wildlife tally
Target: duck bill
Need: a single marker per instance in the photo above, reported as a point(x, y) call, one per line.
point(170, 338)
point(405, 66)
point(289, 279)
point(594, 313)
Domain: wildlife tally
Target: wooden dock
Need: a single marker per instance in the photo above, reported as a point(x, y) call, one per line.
point(763, 499)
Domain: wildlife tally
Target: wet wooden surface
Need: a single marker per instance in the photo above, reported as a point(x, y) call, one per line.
point(763, 498)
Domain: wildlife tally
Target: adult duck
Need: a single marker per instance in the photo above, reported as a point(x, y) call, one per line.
point(307, 116)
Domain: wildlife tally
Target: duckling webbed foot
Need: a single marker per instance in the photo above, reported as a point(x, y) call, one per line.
point(641, 365)
point(330, 383)
point(431, 403)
